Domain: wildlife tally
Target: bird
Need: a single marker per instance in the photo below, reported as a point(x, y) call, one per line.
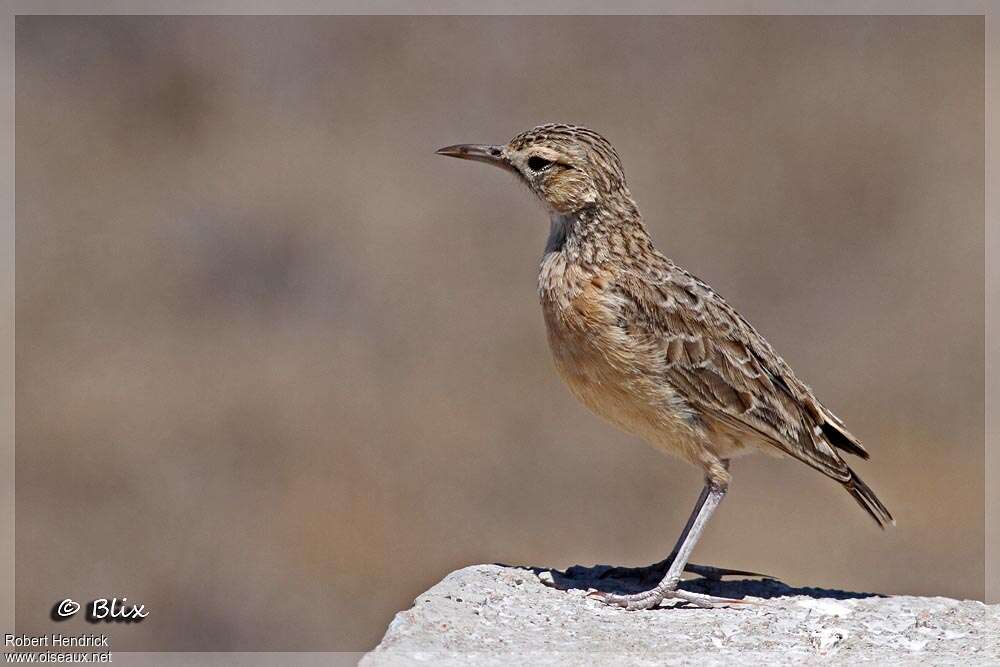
point(653, 349)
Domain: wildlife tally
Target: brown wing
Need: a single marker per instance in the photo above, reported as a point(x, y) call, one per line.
point(729, 372)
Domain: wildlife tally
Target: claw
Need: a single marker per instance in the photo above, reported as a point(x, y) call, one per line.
point(717, 573)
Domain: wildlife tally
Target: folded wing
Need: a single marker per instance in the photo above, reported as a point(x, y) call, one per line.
point(728, 372)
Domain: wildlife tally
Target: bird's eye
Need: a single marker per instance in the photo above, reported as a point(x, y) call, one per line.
point(536, 163)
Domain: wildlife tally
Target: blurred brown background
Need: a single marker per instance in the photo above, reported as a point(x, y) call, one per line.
point(280, 368)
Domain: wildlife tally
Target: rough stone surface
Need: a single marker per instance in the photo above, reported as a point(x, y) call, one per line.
point(497, 615)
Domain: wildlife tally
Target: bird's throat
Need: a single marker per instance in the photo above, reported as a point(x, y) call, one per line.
point(560, 226)
point(596, 236)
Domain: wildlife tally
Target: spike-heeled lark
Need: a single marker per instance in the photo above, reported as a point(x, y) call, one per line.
point(653, 349)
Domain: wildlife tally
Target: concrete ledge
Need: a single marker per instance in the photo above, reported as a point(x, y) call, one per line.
point(498, 615)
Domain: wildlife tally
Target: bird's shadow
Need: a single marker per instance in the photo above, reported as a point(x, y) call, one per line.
point(621, 580)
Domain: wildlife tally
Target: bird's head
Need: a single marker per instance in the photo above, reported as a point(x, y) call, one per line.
point(570, 168)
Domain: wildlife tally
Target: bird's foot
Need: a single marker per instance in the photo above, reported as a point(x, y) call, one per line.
point(653, 597)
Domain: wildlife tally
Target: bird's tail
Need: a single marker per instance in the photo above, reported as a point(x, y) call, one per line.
point(865, 497)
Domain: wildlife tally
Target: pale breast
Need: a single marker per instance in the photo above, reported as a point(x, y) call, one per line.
point(608, 371)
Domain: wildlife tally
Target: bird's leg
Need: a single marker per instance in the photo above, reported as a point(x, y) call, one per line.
point(658, 570)
point(667, 588)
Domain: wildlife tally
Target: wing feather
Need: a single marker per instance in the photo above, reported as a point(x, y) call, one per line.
point(727, 371)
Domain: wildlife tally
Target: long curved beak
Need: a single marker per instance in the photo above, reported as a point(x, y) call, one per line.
point(494, 155)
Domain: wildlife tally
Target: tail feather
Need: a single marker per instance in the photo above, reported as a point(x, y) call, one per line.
point(865, 497)
point(841, 438)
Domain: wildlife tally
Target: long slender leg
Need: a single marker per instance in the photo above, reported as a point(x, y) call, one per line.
point(667, 588)
point(707, 571)
point(712, 500)
point(662, 566)
point(690, 522)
